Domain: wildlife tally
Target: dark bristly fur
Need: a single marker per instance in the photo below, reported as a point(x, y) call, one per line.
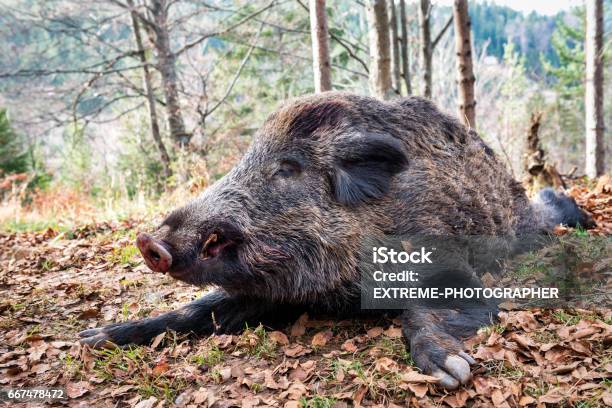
point(323, 173)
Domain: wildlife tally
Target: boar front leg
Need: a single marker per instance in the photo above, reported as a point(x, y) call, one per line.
point(435, 337)
point(216, 312)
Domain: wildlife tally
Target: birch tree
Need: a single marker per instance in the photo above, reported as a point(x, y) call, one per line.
point(594, 120)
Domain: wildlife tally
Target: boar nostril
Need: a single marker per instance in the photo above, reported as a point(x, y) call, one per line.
point(155, 254)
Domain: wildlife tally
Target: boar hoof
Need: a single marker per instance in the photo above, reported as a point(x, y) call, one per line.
point(96, 338)
point(442, 356)
point(456, 371)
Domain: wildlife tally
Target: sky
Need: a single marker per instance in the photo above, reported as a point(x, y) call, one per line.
point(548, 7)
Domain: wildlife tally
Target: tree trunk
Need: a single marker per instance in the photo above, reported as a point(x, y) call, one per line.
point(167, 69)
point(320, 46)
point(465, 73)
point(404, 52)
point(594, 89)
point(424, 23)
point(380, 70)
point(395, 50)
point(148, 88)
point(539, 173)
point(427, 45)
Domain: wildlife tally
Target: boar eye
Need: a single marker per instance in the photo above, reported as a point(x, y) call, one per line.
point(287, 169)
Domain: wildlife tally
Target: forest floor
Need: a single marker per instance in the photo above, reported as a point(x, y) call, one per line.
point(55, 283)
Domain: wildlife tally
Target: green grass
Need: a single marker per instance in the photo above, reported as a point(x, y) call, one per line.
point(47, 264)
point(531, 264)
point(255, 342)
point(317, 401)
point(109, 360)
point(335, 366)
point(547, 336)
point(395, 347)
point(501, 369)
point(72, 366)
point(210, 358)
point(356, 367)
point(13, 225)
point(580, 232)
point(565, 318)
point(161, 387)
point(33, 330)
point(215, 375)
point(128, 255)
point(134, 363)
point(494, 328)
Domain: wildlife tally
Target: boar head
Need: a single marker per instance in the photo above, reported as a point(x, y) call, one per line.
point(286, 222)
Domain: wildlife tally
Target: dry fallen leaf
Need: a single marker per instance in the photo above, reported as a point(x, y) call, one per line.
point(358, 395)
point(89, 314)
point(526, 400)
point(299, 327)
point(295, 391)
point(497, 397)
point(553, 396)
point(375, 332)
point(148, 403)
point(161, 367)
point(457, 399)
point(418, 389)
point(349, 346)
point(77, 389)
point(320, 339)
point(606, 398)
point(416, 377)
point(296, 350)
point(278, 337)
point(200, 396)
point(157, 340)
point(393, 332)
point(385, 365)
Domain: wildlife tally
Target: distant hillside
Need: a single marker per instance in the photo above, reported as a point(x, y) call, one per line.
point(494, 26)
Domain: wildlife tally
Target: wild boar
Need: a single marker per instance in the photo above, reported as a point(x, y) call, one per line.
point(280, 233)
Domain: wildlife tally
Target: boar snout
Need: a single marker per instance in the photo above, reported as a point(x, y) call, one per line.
point(156, 256)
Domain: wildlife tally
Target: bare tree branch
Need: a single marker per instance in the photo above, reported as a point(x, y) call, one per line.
point(84, 70)
point(342, 43)
point(224, 30)
point(143, 18)
point(441, 33)
point(238, 72)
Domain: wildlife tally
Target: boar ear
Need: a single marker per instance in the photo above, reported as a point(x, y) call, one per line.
point(365, 167)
